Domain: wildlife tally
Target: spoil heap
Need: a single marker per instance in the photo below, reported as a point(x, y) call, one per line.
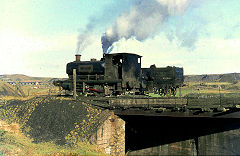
point(56, 119)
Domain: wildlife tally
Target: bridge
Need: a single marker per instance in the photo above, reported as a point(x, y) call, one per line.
point(176, 126)
point(172, 107)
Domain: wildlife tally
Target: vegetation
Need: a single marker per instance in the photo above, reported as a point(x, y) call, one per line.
point(13, 142)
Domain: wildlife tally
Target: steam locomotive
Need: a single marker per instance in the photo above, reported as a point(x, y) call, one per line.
point(121, 73)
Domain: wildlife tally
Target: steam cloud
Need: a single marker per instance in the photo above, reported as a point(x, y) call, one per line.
point(142, 21)
point(82, 42)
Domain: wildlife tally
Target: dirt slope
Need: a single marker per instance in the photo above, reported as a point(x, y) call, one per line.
point(9, 90)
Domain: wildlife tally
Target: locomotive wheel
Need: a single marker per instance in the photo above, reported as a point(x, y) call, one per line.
point(173, 91)
point(160, 92)
point(169, 92)
point(165, 92)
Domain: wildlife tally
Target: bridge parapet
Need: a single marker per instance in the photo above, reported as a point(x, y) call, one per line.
point(197, 107)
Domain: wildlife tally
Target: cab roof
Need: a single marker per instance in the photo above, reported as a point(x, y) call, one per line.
point(121, 54)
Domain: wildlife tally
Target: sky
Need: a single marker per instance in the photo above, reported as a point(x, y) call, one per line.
point(38, 38)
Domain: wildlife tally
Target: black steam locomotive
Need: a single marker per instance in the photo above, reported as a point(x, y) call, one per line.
point(121, 73)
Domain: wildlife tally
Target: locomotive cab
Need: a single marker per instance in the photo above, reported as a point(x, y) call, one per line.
point(125, 68)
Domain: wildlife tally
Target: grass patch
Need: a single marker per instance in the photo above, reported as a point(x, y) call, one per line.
point(39, 90)
point(207, 89)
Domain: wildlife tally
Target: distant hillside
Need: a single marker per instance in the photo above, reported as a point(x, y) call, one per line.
point(231, 77)
point(9, 90)
point(21, 77)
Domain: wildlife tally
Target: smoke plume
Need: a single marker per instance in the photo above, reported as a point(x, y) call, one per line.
point(142, 21)
point(84, 38)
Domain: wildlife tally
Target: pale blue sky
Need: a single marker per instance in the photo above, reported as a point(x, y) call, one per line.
point(38, 38)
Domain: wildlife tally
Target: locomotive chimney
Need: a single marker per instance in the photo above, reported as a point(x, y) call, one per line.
point(78, 57)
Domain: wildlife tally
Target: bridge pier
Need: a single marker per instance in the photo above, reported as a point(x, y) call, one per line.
point(156, 135)
point(110, 136)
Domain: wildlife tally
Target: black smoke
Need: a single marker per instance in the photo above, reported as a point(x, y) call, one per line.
point(141, 21)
